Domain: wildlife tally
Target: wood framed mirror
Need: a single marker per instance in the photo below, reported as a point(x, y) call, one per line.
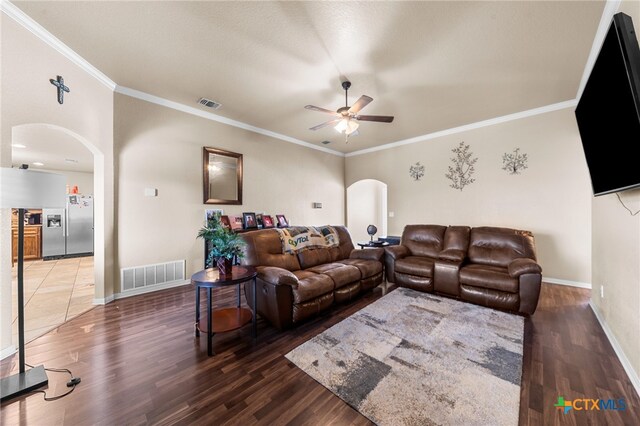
point(222, 176)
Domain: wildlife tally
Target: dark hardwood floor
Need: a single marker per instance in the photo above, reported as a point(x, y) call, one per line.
point(140, 363)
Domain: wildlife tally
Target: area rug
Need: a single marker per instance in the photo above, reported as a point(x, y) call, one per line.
point(413, 358)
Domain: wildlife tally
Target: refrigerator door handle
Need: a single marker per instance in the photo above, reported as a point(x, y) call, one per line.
point(65, 224)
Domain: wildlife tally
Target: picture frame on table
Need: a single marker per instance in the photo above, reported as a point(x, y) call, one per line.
point(225, 222)
point(267, 221)
point(249, 220)
point(259, 222)
point(236, 222)
point(211, 214)
point(282, 221)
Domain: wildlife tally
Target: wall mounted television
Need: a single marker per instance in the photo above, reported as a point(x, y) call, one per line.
point(608, 113)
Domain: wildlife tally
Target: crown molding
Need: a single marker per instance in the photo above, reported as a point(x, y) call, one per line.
point(32, 26)
point(610, 9)
point(477, 125)
point(214, 117)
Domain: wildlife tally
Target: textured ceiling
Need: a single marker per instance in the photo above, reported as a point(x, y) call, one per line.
point(434, 65)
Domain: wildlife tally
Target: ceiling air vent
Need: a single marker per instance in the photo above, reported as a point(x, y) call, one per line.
point(209, 103)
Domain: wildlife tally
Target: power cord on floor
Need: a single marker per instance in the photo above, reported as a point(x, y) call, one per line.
point(71, 383)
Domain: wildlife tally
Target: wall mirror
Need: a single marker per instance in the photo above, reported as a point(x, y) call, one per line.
point(222, 171)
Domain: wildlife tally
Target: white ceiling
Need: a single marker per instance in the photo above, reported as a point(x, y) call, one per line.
point(433, 65)
point(51, 147)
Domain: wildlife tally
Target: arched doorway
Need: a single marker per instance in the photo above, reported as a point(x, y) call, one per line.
point(64, 286)
point(366, 205)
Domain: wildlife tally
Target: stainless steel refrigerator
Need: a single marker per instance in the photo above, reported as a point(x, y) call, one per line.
point(69, 231)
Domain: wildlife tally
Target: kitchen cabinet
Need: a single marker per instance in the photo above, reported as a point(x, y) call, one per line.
point(32, 242)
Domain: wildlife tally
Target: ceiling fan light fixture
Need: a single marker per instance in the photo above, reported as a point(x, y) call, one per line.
point(341, 126)
point(347, 126)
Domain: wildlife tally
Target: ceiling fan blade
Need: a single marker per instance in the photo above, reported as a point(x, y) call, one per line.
point(379, 118)
point(360, 103)
point(326, 111)
point(325, 124)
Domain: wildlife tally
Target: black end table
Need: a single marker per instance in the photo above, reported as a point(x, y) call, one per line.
point(227, 319)
point(365, 244)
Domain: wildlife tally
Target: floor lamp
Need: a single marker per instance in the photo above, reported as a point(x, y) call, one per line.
point(27, 189)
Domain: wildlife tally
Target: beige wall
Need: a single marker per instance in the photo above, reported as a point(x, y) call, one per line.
point(552, 198)
point(161, 148)
point(83, 180)
point(616, 257)
point(29, 99)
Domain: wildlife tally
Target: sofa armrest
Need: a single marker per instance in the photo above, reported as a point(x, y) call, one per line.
point(523, 266)
point(367, 254)
point(396, 252)
point(452, 255)
point(277, 276)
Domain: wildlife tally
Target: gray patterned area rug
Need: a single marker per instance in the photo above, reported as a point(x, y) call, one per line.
point(413, 358)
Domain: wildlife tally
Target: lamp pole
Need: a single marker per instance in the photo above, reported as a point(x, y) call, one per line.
point(21, 288)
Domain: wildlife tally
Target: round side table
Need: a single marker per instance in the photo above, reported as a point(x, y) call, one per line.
point(226, 319)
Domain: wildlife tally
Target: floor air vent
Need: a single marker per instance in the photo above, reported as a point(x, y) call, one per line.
point(152, 275)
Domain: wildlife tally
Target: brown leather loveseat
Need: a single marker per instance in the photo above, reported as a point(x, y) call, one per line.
point(494, 267)
point(294, 287)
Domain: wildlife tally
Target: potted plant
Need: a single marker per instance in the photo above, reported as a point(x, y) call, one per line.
point(224, 245)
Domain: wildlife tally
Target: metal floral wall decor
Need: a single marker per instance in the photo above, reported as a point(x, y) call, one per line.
point(461, 172)
point(514, 162)
point(416, 171)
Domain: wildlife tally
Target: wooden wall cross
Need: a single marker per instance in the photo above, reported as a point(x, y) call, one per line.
point(59, 83)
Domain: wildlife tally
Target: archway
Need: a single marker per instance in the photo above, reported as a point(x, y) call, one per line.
point(100, 258)
point(366, 205)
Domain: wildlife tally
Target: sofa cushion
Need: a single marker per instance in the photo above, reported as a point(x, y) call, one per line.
point(493, 277)
point(313, 257)
point(368, 268)
point(264, 248)
point(340, 274)
point(415, 265)
point(499, 246)
point(345, 245)
point(311, 285)
point(424, 240)
point(457, 238)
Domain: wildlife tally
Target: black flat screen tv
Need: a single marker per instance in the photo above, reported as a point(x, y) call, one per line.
point(608, 113)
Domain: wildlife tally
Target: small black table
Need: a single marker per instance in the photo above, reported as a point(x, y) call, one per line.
point(228, 319)
point(364, 244)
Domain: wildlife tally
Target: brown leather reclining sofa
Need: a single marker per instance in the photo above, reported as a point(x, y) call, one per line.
point(294, 287)
point(494, 267)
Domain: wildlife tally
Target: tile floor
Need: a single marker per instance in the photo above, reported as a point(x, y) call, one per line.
point(54, 292)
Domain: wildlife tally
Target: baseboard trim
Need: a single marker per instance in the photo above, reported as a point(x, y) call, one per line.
point(104, 301)
point(569, 283)
point(139, 291)
point(151, 289)
point(8, 351)
point(626, 364)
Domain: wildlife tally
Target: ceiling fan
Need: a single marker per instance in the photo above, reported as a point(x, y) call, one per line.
point(347, 118)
